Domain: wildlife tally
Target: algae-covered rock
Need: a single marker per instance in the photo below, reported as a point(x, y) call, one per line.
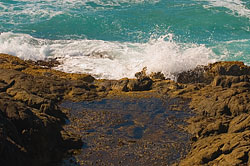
point(220, 128)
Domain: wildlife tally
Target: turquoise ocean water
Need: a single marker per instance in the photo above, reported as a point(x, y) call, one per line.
point(116, 38)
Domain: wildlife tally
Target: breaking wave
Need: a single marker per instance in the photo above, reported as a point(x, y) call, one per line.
point(110, 60)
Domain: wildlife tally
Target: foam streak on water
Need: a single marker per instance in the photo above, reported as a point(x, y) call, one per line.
point(238, 7)
point(111, 60)
point(26, 11)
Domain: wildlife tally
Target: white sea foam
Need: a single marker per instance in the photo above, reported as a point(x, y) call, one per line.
point(238, 7)
point(112, 60)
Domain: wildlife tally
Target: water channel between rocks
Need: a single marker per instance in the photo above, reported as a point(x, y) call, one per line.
point(129, 131)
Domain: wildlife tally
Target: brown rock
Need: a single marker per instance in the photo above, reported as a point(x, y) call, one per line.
point(157, 76)
point(228, 81)
point(220, 130)
point(206, 74)
point(140, 84)
point(203, 127)
point(220, 150)
point(240, 123)
point(193, 76)
point(120, 85)
point(30, 120)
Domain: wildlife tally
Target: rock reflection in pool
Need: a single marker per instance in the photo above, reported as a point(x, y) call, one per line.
point(129, 131)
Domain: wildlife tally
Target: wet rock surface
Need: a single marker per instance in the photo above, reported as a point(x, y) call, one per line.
point(31, 130)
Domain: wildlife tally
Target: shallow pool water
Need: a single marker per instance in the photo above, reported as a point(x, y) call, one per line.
point(129, 131)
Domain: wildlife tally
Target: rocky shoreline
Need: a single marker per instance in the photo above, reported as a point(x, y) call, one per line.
point(31, 126)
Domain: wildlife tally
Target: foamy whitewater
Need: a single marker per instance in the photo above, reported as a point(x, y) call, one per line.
point(117, 38)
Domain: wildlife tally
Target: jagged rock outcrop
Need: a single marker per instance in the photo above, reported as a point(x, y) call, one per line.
point(206, 74)
point(31, 122)
point(221, 101)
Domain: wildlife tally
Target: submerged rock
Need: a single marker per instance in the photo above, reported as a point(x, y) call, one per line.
point(129, 130)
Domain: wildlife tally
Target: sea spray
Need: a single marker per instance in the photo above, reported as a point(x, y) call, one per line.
point(110, 60)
